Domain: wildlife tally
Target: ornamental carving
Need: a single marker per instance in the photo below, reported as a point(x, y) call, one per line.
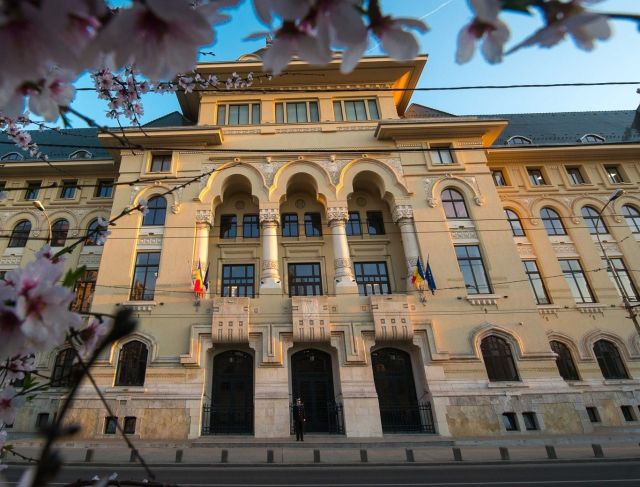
point(92, 261)
point(611, 248)
point(311, 318)
point(401, 212)
point(431, 184)
point(526, 251)
point(269, 215)
point(464, 235)
point(13, 260)
point(269, 264)
point(338, 214)
point(342, 263)
point(563, 248)
point(204, 216)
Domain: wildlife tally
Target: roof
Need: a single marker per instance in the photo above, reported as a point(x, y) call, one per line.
point(173, 119)
point(58, 144)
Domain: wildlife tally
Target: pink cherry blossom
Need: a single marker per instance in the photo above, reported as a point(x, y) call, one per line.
point(485, 27)
point(395, 40)
point(285, 9)
point(289, 42)
point(9, 404)
point(18, 365)
point(143, 206)
point(54, 92)
point(92, 335)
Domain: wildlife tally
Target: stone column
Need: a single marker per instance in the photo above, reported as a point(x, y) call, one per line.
point(344, 278)
point(403, 217)
point(203, 225)
point(270, 279)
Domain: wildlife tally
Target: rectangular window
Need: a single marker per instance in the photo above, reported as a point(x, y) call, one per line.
point(33, 188)
point(228, 226)
point(628, 413)
point(356, 110)
point(472, 268)
point(441, 155)
point(575, 175)
point(576, 280)
point(530, 421)
point(593, 414)
point(68, 190)
point(498, 177)
point(615, 176)
point(160, 163)
point(104, 188)
point(110, 425)
point(250, 226)
point(297, 112)
point(372, 278)
point(535, 280)
point(84, 289)
point(353, 224)
point(42, 421)
point(375, 223)
point(145, 275)
point(129, 425)
point(510, 421)
point(290, 225)
point(3, 185)
point(536, 177)
point(623, 276)
point(305, 279)
point(238, 280)
point(239, 114)
point(312, 225)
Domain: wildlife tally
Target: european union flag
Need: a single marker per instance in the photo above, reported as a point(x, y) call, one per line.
point(431, 282)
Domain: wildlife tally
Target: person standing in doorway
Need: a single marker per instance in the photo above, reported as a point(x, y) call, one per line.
point(299, 419)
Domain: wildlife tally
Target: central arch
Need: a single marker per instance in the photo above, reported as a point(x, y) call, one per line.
point(312, 381)
point(232, 394)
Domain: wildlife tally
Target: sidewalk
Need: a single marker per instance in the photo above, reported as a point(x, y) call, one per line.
point(337, 450)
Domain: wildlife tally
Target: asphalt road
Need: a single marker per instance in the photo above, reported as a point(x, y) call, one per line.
point(591, 474)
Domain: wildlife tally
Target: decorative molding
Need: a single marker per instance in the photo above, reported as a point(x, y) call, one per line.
point(526, 251)
point(342, 263)
point(464, 234)
point(401, 212)
point(90, 260)
point(549, 309)
point(269, 264)
point(339, 214)
point(311, 318)
point(140, 305)
point(298, 130)
point(10, 260)
point(483, 299)
point(230, 320)
point(611, 248)
point(392, 318)
point(269, 215)
point(564, 248)
point(204, 216)
point(150, 241)
point(470, 182)
point(241, 131)
point(591, 308)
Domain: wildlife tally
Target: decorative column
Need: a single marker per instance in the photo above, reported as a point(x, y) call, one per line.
point(403, 217)
point(269, 221)
point(338, 217)
point(203, 225)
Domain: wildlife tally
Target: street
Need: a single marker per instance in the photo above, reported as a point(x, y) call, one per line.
point(601, 474)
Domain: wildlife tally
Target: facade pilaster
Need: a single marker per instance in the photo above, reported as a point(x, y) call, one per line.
point(270, 278)
point(344, 277)
point(403, 217)
point(204, 219)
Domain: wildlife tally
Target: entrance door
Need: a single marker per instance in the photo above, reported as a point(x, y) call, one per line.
point(393, 376)
point(232, 404)
point(312, 380)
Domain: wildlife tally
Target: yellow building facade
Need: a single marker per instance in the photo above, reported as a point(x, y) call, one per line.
point(317, 196)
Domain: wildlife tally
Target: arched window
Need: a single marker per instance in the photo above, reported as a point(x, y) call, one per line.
point(20, 234)
point(157, 212)
point(92, 230)
point(12, 156)
point(132, 364)
point(609, 360)
point(59, 231)
point(592, 139)
point(519, 140)
point(564, 361)
point(552, 222)
point(453, 204)
point(81, 154)
point(498, 359)
point(595, 224)
point(65, 372)
point(514, 223)
point(632, 215)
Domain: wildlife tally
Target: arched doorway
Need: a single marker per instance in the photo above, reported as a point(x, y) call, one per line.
point(231, 410)
point(312, 381)
point(399, 408)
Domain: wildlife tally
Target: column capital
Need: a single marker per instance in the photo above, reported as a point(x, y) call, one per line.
point(269, 215)
point(337, 213)
point(204, 216)
point(402, 212)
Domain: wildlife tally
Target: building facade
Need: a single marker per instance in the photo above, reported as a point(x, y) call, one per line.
point(316, 196)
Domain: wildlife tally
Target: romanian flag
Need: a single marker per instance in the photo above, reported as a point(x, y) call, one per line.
point(418, 275)
point(197, 283)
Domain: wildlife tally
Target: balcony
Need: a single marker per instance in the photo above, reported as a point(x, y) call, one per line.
point(230, 321)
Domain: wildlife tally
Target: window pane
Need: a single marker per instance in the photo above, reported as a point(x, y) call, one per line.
point(290, 225)
point(498, 178)
point(313, 110)
point(372, 278)
point(576, 280)
point(632, 216)
point(279, 113)
point(255, 113)
point(472, 269)
point(373, 110)
point(353, 224)
point(350, 109)
point(535, 280)
point(305, 280)
point(312, 225)
point(250, 227)
point(221, 119)
point(144, 276)
point(623, 279)
point(337, 110)
point(361, 112)
point(228, 225)
point(237, 280)
point(375, 223)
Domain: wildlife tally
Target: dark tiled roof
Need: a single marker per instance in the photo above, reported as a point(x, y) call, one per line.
point(173, 119)
point(59, 145)
point(416, 110)
point(569, 127)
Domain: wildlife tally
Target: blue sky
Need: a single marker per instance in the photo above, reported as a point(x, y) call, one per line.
point(614, 60)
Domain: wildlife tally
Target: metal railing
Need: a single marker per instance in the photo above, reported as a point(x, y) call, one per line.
point(334, 425)
point(417, 418)
point(227, 420)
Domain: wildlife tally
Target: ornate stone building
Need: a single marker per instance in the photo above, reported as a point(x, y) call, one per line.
point(318, 193)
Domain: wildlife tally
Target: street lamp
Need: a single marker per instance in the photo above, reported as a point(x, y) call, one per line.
point(38, 204)
point(625, 297)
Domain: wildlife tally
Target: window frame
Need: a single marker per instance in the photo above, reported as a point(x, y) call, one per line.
point(500, 181)
point(312, 224)
point(147, 292)
point(341, 115)
point(126, 425)
point(245, 283)
point(616, 177)
point(449, 203)
point(436, 155)
point(536, 179)
point(58, 236)
point(501, 364)
point(572, 272)
point(108, 422)
point(157, 212)
point(81, 154)
point(90, 241)
point(68, 189)
point(564, 361)
point(375, 223)
point(595, 223)
point(131, 370)
point(534, 276)
point(367, 282)
point(288, 224)
point(353, 227)
point(517, 230)
point(571, 173)
point(251, 113)
point(253, 226)
point(283, 117)
point(19, 238)
point(623, 274)
point(65, 372)
point(228, 226)
point(519, 140)
point(552, 221)
point(295, 282)
point(471, 263)
point(632, 219)
point(163, 158)
point(84, 289)
point(610, 371)
point(104, 188)
point(33, 190)
point(8, 156)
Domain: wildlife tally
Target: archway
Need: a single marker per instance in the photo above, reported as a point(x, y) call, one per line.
point(231, 410)
point(312, 381)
